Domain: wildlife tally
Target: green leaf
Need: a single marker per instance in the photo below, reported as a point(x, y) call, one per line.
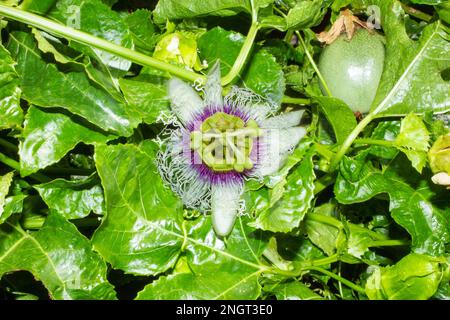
point(59, 256)
point(45, 46)
point(340, 116)
point(443, 11)
point(5, 183)
point(355, 4)
point(411, 200)
point(141, 233)
point(11, 115)
point(359, 240)
point(142, 29)
point(388, 131)
point(294, 291)
point(148, 97)
point(415, 277)
point(279, 178)
point(413, 140)
point(38, 6)
point(110, 3)
point(429, 2)
point(306, 14)
point(12, 204)
point(263, 74)
point(94, 17)
point(180, 9)
point(325, 236)
point(47, 137)
point(10, 2)
point(221, 44)
point(299, 250)
point(72, 199)
point(411, 80)
point(334, 234)
point(219, 270)
point(294, 201)
point(45, 86)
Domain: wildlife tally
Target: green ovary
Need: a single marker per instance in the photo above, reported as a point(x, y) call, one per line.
point(224, 142)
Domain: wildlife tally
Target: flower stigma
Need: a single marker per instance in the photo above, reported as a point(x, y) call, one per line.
point(224, 142)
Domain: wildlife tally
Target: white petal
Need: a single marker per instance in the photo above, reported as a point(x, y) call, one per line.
point(225, 207)
point(441, 178)
point(185, 101)
point(213, 87)
point(177, 172)
point(289, 138)
point(286, 120)
point(277, 145)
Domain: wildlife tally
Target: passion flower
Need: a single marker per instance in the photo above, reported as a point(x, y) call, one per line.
point(214, 144)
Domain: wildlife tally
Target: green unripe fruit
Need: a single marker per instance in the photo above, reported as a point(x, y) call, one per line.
point(352, 68)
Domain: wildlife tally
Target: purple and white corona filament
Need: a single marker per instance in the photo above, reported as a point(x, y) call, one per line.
point(218, 142)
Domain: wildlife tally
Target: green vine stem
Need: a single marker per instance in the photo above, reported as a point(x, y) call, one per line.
point(36, 222)
point(60, 30)
point(297, 101)
point(348, 283)
point(313, 63)
point(16, 166)
point(383, 143)
point(324, 182)
point(9, 162)
point(8, 145)
point(349, 141)
point(389, 243)
point(416, 13)
point(243, 54)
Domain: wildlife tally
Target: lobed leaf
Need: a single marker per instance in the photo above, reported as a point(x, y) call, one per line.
point(47, 137)
point(59, 256)
point(72, 199)
point(412, 79)
point(11, 115)
point(411, 200)
point(44, 85)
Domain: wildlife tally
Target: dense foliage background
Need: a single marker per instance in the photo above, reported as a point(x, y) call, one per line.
point(85, 215)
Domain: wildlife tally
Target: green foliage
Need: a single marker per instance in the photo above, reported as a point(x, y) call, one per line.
point(353, 212)
point(59, 256)
point(413, 140)
point(411, 200)
point(415, 277)
point(10, 112)
point(44, 85)
point(263, 74)
point(47, 137)
point(408, 62)
point(72, 199)
point(290, 199)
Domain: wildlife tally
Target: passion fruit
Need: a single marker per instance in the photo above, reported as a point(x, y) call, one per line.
point(352, 68)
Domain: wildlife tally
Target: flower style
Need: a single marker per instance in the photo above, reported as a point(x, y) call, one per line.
point(216, 143)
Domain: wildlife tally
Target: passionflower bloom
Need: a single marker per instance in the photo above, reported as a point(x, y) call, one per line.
point(212, 145)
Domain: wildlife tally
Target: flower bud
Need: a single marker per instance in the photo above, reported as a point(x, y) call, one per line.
point(439, 155)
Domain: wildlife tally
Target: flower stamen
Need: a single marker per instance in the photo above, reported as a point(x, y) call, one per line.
point(224, 142)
